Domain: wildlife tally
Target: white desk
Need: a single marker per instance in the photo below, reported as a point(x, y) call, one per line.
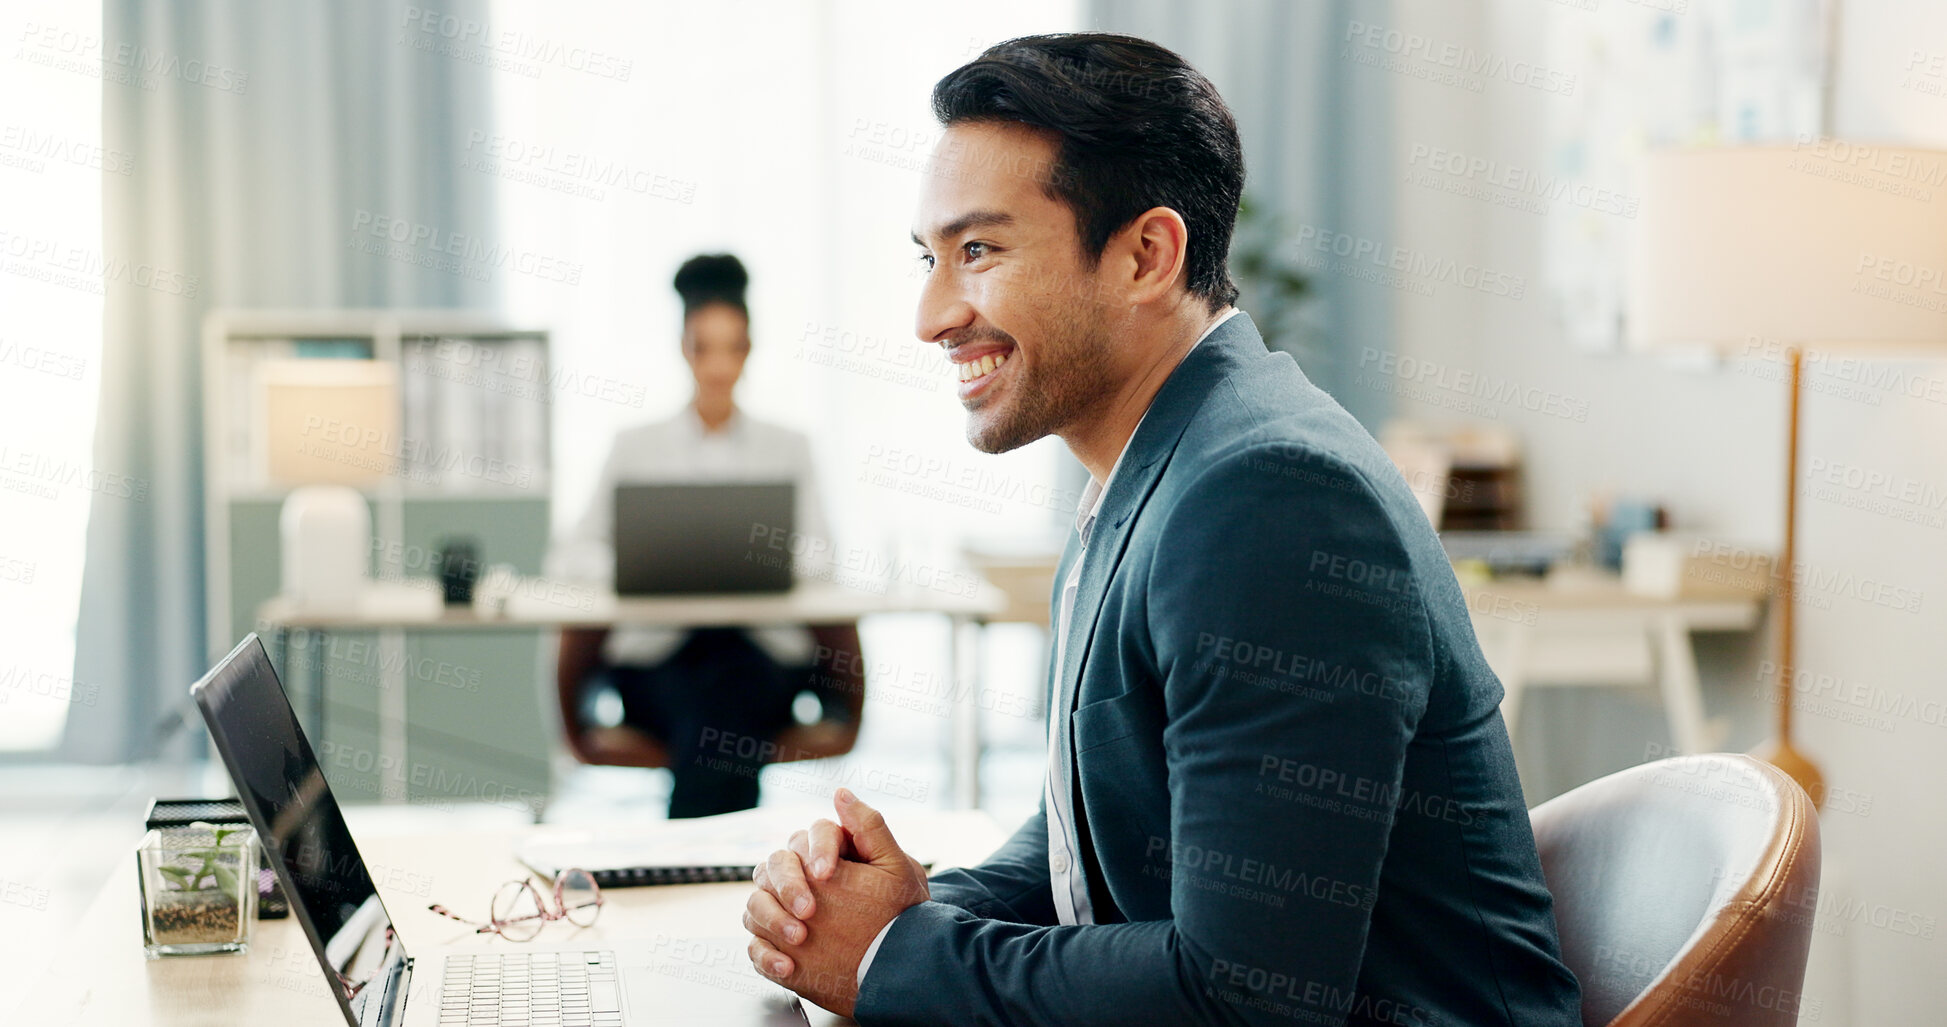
point(565, 606)
point(541, 606)
point(100, 975)
point(1595, 633)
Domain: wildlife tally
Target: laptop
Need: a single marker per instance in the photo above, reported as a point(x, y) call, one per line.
point(696, 539)
point(366, 964)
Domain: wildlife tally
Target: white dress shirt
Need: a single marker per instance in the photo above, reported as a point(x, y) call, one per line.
point(681, 450)
point(1065, 875)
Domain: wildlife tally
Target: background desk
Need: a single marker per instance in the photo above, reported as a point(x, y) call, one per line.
point(1590, 631)
point(1595, 633)
point(565, 607)
point(101, 978)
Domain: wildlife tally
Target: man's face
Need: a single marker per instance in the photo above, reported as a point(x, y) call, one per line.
point(1006, 283)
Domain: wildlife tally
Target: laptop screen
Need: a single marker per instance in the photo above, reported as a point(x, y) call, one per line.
point(689, 538)
point(299, 823)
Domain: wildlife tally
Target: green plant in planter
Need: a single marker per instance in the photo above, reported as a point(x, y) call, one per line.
point(200, 904)
point(211, 869)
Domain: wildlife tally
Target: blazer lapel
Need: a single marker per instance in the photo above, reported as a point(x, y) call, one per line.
point(1233, 343)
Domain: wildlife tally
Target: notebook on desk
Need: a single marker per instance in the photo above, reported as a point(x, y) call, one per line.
point(720, 848)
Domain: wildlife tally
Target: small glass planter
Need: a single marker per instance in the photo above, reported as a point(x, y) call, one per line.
point(199, 889)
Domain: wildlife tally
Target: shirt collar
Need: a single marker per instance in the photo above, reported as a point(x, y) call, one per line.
point(1092, 492)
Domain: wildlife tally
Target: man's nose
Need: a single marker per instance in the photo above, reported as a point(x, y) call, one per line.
point(942, 309)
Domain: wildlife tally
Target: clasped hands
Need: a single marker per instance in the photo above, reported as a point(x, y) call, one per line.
point(819, 902)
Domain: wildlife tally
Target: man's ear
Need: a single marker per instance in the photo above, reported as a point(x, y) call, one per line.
point(1155, 248)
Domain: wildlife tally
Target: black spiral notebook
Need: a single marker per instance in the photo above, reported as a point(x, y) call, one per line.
point(632, 877)
point(720, 848)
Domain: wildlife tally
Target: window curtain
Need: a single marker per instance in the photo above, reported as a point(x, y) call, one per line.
point(265, 139)
point(1316, 130)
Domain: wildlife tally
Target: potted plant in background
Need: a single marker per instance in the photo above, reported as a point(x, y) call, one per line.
point(1274, 286)
point(199, 889)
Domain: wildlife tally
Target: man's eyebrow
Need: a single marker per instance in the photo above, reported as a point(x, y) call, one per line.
point(971, 219)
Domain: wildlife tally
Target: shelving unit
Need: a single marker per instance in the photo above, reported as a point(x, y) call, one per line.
point(471, 458)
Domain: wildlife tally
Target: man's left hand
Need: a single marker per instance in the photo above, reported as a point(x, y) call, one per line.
point(844, 904)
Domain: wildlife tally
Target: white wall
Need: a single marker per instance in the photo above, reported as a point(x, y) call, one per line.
point(1893, 856)
point(1709, 444)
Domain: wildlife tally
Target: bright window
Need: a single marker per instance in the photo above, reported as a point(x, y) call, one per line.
point(51, 167)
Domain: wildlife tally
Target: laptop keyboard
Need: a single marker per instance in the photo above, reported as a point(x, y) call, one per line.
point(531, 989)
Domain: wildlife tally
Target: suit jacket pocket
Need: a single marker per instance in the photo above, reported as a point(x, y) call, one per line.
point(1110, 720)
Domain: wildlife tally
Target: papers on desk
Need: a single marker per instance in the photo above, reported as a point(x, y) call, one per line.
point(409, 601)
point(720, 848)
point(412, 599)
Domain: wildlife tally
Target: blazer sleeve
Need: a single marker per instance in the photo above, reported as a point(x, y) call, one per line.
point(1012, 884)
point(1290, 643)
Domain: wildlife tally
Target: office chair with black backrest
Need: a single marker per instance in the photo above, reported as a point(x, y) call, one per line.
point(841, 677)
point(1684, 891)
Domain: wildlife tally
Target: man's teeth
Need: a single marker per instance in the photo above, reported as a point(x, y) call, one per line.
point(985, 365)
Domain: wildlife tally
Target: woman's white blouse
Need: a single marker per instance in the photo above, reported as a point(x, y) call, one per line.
point(679, 450)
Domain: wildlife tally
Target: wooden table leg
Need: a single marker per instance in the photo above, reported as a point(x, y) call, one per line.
point(1683, 699)
point(964, 745)
point(1509, 661)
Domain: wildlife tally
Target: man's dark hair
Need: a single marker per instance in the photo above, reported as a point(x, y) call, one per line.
point(1139, 128)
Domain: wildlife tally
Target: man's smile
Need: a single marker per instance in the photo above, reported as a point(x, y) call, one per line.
point(976, 365)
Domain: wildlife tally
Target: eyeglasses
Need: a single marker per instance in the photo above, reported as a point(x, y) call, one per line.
point(519, 911)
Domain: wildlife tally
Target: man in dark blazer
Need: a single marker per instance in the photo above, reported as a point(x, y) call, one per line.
point(1279, 786)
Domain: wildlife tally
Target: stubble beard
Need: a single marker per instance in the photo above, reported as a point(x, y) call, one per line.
point(1068, 378)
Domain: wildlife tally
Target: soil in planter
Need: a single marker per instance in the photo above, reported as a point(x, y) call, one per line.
point(196, 918)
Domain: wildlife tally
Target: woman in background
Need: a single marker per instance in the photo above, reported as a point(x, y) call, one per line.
point(711, 704)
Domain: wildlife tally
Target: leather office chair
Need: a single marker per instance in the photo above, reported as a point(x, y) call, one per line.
point(580, 652)
point(1684, 891)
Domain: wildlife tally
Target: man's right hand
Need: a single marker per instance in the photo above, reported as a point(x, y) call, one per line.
point(868, 880)
point(810, 855)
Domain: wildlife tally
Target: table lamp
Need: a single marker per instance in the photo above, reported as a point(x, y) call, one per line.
point(329, 428)
point(1825, 246)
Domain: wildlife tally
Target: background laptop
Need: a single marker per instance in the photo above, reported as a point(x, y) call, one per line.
point(689, 539)
point(365, 961)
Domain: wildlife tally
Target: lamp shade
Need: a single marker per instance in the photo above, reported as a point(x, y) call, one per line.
point(1822, 245)
point(330, 421)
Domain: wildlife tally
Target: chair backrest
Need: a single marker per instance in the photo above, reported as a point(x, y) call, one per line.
point(1684, 891)
point(578, 653)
